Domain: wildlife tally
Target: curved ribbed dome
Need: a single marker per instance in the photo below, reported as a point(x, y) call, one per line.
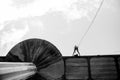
point(46, 57)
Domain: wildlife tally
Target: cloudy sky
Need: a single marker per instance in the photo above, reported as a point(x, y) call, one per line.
point(63, 23)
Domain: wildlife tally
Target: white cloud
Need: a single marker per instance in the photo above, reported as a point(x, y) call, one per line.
point(73, 9)
point(13, 36)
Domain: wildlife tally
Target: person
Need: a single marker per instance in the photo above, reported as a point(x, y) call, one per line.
point(76, 50)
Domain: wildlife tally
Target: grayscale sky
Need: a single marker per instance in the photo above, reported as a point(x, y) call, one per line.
point(63, 23)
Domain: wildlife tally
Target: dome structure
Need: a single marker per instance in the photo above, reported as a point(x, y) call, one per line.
point(41, 53)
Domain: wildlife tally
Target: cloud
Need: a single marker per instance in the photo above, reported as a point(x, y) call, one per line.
point(13, 36)
point(71, 9)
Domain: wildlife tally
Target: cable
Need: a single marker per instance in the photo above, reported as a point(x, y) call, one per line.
point(91, 23)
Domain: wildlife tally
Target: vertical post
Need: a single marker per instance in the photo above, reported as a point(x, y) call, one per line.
point(117, 67)
point(89, 69)
point(64, 77)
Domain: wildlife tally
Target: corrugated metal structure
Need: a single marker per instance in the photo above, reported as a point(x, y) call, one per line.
point(106, 67)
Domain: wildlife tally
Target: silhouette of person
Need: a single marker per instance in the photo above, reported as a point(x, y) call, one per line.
point(76, 50)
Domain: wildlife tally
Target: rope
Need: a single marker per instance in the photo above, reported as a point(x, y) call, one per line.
point(91, 23)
